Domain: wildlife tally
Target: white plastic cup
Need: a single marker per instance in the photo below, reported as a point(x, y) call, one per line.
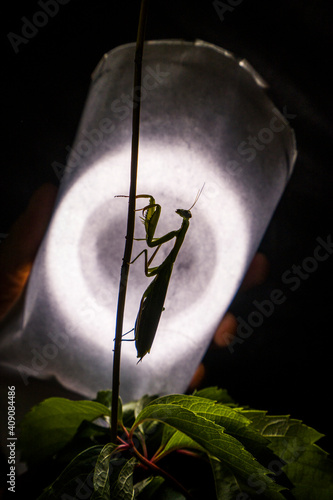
point(205, 120)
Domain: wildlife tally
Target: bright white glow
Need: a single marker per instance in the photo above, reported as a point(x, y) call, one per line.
point(199, 108)
point(86, 243)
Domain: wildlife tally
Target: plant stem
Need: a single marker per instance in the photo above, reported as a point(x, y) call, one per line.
point(130, 221)
point(161, 472)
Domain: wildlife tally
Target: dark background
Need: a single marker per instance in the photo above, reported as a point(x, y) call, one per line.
point(285, 366)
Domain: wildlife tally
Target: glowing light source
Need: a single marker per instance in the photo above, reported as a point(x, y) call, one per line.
point(205, 119)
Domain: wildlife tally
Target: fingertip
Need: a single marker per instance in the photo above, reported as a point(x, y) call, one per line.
point(225, 331)
point(257, 272)
point(28, 231)
point(197, 378)
point(18, 252)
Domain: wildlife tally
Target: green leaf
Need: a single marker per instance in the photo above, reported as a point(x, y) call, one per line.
point(307, 466)
point(128, 413)
point(273, 426)
point(140, 405)
point(123, 488)
point(110, 474)
point(88, 434)
point(76, 481)
point(102, 471)
point(228, 486)
point(105, 398)
point(312, 475)
point(192, 421)
point(49, 426)
point(231, 419)
point(146, 489)
point(165, 492)
point(175, 440)
point(216, 394)
point(226, 483)
point(132, 409)
point(156, 488)
point(244, 448)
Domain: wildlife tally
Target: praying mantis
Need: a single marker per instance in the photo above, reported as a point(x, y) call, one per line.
point(152, 301)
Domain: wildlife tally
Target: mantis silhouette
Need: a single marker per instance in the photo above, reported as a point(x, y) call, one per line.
point(152, 301)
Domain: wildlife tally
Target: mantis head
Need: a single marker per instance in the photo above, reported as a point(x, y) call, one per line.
point(186, 214)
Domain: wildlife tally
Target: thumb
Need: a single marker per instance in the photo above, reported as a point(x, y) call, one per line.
point(18, 251)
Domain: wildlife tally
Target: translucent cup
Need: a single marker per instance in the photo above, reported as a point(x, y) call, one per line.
point(205, 120)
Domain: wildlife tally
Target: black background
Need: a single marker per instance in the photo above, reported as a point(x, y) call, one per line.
point(285, 366)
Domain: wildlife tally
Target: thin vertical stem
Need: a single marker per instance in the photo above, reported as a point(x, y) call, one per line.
point(130, 219)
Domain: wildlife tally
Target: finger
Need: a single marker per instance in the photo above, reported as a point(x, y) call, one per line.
point(225, 331)
point(19, 250)
point(197, 378)
point(257, 272)
point(256, 275)
point(223, 336)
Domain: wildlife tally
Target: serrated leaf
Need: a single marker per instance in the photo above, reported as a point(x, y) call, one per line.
point(273, 426)
point(102, 471)
point(209, 435)
point(230, 487)
point(76, 481)
point(216, 394)
point(50, 425)
point(123, 488)
point(312, 475)
point(305, 464)
point(231, 419)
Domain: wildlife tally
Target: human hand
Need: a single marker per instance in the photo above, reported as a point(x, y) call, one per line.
point(256, 275)
point(18, 251)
